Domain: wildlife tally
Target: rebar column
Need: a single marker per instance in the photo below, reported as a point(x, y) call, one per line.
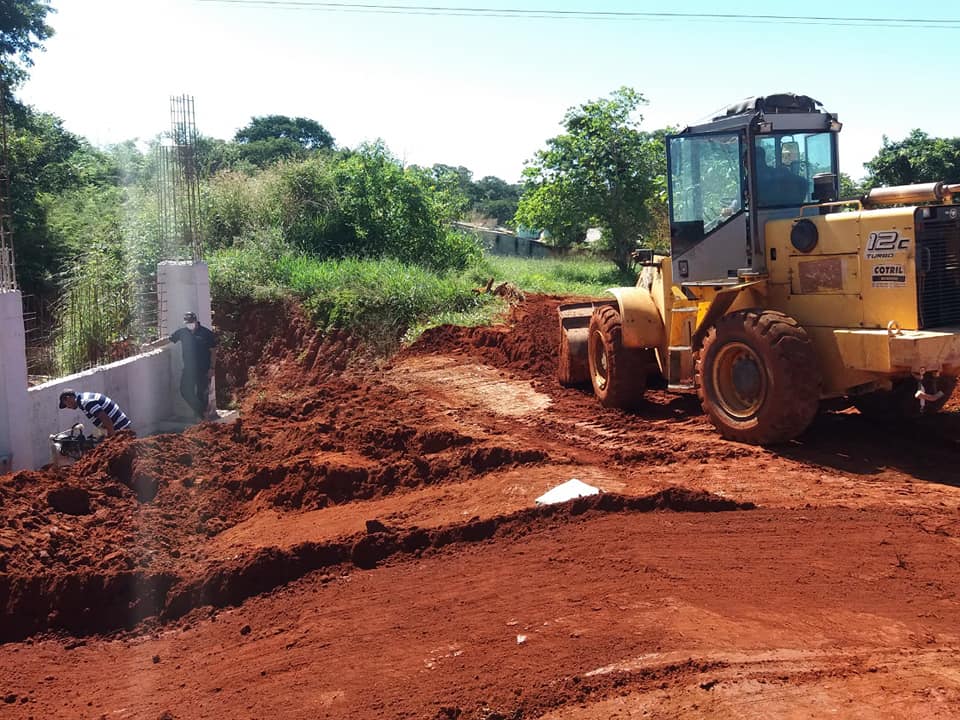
point(8, 277)
point(183, 128)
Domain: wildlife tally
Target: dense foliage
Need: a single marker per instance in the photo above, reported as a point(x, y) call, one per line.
point(274, 137)
point(360, 203)
point(918, 158)
point(488, 198)
point(849, 188)
point(602, 172)
point(23, 28)
point(51, 170)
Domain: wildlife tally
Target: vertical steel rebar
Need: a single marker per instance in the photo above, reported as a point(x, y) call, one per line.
point(183, 227)
point(8, 276)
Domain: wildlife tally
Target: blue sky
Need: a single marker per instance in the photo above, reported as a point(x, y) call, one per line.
point(484, 92)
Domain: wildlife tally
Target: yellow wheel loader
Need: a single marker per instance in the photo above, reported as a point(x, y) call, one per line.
point(776, 295)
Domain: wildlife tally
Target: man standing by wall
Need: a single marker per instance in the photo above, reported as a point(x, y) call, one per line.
point(199, 346)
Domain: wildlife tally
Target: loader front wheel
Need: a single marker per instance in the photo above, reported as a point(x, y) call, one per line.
point(618, 374)
point(758, 378)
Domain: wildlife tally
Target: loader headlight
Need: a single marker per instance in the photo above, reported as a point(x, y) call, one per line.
point(952, 213)
point(804, 235)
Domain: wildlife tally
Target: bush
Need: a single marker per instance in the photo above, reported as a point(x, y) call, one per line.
point(236, 205)
point(251, 269)
point(356, 204)
point(95, 320)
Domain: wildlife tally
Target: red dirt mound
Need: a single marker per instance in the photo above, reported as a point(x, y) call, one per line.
point(527, 341)
point(443, 589)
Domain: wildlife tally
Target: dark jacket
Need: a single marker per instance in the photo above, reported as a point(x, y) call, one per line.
point(196, 346)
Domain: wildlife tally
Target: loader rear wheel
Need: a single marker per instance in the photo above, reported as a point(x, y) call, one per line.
point(618, 374)
point(758, 378)
point(900, 402)
point(570, 370)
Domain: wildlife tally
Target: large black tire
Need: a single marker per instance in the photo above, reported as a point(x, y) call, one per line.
point(758, 378)
point(900, 402)
point(618, 374)
point(570, 370)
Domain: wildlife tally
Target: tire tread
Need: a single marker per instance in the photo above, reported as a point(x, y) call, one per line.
point(794, 392)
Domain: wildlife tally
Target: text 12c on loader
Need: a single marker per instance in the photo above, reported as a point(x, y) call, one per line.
point(776, 295)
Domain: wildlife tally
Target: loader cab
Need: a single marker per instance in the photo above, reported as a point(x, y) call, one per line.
point(726, 178)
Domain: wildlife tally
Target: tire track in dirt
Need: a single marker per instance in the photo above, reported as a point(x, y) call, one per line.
point(481, 393)
point(775, 683)
point(159, 529)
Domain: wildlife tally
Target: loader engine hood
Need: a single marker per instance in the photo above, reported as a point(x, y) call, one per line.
point(869, 268)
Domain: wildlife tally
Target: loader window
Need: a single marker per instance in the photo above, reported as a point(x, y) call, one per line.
point(786, 165)
point(706, 181)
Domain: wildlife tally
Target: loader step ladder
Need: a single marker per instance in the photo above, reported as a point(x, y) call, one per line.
point(680, 356)
point(680, 367)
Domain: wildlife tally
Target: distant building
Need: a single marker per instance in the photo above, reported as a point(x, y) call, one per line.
point(525, 233)
point(500, 241)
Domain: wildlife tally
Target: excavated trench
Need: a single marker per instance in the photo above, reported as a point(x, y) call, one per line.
point(128, 533)
point(87, 603)
point(124, 535)
point(365, 542)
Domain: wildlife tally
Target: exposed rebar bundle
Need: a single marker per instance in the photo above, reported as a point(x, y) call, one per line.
point(8, 277)
point(179, 185)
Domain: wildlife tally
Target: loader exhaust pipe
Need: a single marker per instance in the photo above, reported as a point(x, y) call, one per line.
point(909, 194)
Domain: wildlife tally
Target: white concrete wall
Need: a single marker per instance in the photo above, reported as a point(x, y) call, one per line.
point(147, 386)
point(15, 431)
point(141, 385)
point(184, 286)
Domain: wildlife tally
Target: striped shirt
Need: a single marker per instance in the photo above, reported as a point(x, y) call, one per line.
point(91, 403)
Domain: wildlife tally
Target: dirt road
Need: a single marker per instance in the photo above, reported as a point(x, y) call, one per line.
point(364, 543)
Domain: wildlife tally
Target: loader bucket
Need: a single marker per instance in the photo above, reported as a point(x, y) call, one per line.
point(573, 366)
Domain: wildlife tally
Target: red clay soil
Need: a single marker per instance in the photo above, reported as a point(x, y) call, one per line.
point(364, 543)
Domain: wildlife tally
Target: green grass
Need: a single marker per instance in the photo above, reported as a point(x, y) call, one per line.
point(553, 276)
point(485, 314)
point(389, 302)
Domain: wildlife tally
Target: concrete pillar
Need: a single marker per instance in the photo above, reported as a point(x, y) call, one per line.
point(15, 431)
point(183, 286)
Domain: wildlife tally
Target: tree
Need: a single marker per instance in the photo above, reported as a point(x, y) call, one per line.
point(496, 198)
point(918, 158)
point(46, 161)
point(657, 234)
point(601, 172)
point(365, 204)
point(849, 188)
point(460, 177)
point(272, 137)
point(449, 187)
point(214, 155)
point(23, 29)
point(489, 197)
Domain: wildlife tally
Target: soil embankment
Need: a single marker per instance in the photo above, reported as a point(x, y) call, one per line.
point(364, 543)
